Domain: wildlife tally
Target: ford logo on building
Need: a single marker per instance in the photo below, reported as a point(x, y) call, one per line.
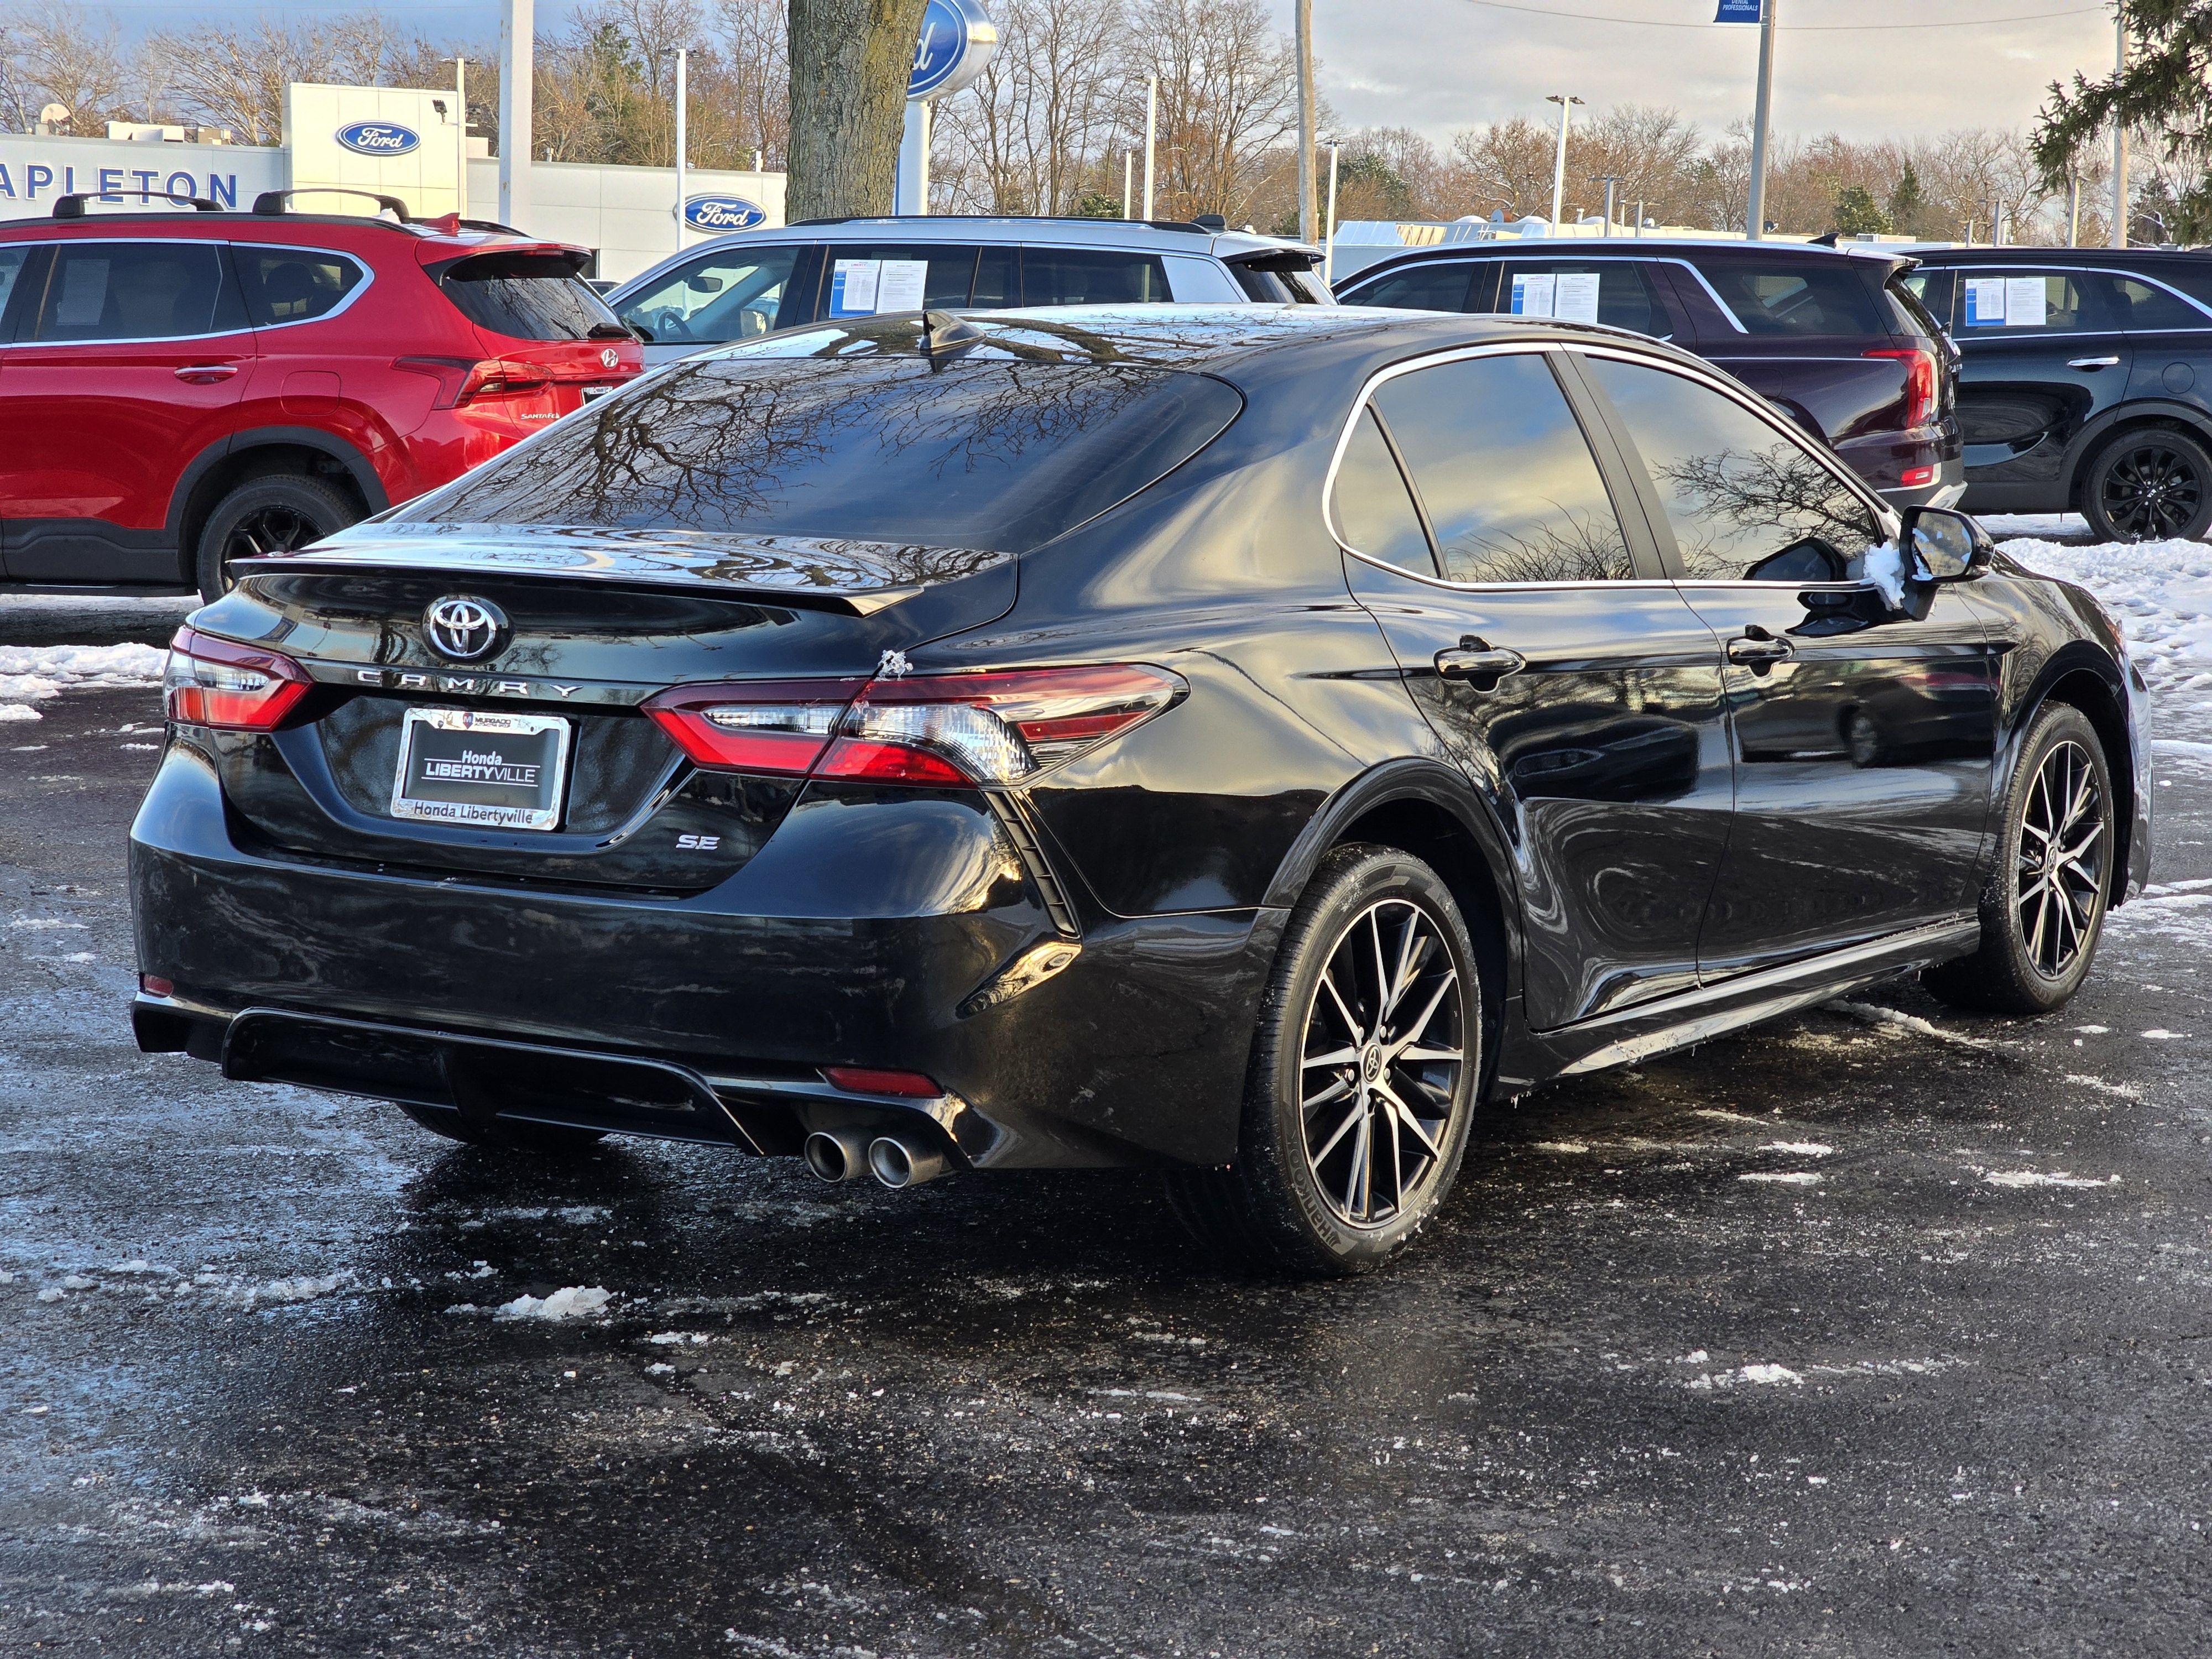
point(377, 138)
point(720, 213)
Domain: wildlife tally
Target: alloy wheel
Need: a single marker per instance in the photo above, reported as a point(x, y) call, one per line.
point(270, 529)
point(2061, 859)
point(1384, 1043)
point(2152, 493)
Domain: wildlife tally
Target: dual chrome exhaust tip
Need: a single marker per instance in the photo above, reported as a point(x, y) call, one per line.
point(897, 1161)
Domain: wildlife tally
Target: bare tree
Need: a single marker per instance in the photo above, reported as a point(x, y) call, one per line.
point(1509, 165)
point(1649, 151)
point(1022, 139)
point(1228, 96)
point(62, 55)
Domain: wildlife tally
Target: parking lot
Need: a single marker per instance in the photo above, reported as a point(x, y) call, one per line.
point(1876, 1330)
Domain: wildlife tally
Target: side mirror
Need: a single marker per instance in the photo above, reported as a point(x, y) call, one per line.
point(1944, 546)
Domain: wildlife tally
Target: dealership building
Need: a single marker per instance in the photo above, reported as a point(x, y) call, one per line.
point(391, 142)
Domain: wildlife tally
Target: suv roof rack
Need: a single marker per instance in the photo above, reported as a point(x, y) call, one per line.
point(272, 203)
point(72, 207)
point(1024, 218)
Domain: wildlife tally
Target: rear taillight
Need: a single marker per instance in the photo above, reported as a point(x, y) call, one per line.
point(211, 682)
point(1921, 382)
point(1916, 475)
point(757, 726)
point(870, 1080)
point(467, 380)
point(959, 729)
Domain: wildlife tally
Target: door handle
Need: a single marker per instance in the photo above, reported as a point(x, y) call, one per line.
point(1476, 661)
point(2093, 364)
point(199, 374)
point(1756, 646)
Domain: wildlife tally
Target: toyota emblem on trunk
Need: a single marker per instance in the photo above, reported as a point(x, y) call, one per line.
point(465, 629)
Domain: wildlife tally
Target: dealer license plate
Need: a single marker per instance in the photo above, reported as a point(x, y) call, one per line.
point(463, 766)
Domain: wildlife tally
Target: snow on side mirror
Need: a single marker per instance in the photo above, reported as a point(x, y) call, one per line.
point(1946, 546)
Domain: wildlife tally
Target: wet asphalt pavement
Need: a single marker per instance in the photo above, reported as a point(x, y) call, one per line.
point(1882, 1330)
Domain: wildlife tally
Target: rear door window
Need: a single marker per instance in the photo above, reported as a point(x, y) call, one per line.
point(1439, 287)
point(2012, 301)
point(869, 279)
point(13, 263)
point(151, 291)
point(1794, 299)
point(1374, 508)
point(1092, 277)
point(731, 294)
point(1501, 466)
point(526, 296)
point(1615, 292)
point(293, 285)
point(2142, 306)
point(1746, 501)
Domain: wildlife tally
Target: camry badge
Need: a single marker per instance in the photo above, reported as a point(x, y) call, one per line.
point(465, 629)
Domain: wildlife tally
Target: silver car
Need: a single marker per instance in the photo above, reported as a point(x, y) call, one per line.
point(746, 284)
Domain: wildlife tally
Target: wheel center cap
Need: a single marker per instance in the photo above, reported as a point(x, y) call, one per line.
point(1371, 1066)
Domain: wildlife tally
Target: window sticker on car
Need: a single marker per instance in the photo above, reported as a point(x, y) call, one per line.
point(1570, 296)
point(863, 288)
point(2006, 303)
point(1534, 295)
point(853, 284)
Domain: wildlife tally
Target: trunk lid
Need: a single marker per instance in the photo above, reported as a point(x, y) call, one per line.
point(585, 626)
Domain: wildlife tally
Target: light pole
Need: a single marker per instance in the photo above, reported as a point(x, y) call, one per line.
point(516, 43)
point(1609, 180)
point(1306, 215)
point(1152, 135)
point(2120, 149)
point(1559, 161)
point(1760, 111)
point(683, 132)
point(1328, 240)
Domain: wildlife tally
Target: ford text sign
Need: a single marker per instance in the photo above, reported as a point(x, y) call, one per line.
point(377, 138)
point(957, 41)
point(722, 213)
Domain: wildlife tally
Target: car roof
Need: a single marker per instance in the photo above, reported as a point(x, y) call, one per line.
point(2016, 254)
point(1632, 247)
point(470, 236)
point(1151, 235)
point(1245, 344)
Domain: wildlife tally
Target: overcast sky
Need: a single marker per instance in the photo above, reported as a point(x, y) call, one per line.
point(1441, 64)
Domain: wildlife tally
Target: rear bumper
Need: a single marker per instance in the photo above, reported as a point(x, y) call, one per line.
point(1133, 1052)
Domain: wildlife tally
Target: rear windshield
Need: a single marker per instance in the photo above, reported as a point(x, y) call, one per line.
point(1794, 298)
point(526, 296)
point(999, 456)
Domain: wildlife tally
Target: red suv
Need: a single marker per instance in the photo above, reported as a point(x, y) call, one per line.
point(179, 390)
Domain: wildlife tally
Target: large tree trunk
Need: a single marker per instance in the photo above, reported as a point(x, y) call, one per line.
point(849, 64)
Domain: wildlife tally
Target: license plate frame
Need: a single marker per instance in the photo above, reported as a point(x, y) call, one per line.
point(481, 802)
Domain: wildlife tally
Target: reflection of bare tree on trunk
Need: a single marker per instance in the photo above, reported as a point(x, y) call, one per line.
point(988, 454)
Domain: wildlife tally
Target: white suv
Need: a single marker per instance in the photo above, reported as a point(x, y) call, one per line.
point(749, 282)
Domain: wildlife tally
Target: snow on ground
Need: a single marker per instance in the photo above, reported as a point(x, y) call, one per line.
point(2160, 593)
point(32, 673)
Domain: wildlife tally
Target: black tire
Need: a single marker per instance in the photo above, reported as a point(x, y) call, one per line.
point(276, 512)
point(2043, 906)
point(504, 1134)
point(1385, 923)
point(2152, 485)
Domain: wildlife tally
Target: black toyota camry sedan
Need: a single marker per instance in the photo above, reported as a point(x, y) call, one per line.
point(1249, 743)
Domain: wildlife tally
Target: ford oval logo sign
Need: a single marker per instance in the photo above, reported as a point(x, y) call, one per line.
point(720, 213)
point(378, 138)
point(956, 41)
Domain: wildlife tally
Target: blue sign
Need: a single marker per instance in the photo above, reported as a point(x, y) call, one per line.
point(720, 213)
point(377, 138)
point(1740, 11)
point(957, 41)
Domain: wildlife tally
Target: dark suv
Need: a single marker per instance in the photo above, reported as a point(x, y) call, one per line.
point(2086, 386)
point(1838, 339)
point(180, 389)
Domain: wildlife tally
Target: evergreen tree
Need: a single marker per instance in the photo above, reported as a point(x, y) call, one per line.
point(1907, 202)
point(2166, 88)
point(1857, 213)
